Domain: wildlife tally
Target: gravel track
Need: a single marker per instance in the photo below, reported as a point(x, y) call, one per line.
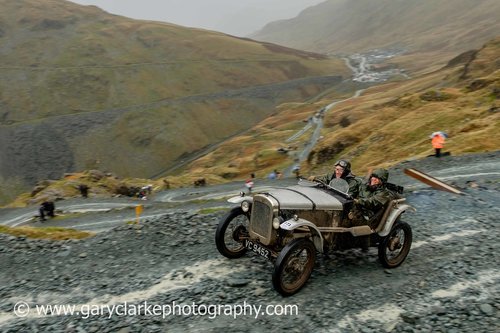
point(448, 283)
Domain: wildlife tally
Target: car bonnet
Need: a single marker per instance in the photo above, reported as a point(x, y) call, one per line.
point(306, 198)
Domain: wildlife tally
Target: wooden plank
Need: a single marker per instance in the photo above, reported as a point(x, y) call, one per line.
point(431, 181)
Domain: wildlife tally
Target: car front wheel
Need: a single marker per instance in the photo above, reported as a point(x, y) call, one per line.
point(231, 231)
point(294, 266)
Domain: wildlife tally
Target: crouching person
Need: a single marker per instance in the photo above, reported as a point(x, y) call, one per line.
point(46, 208)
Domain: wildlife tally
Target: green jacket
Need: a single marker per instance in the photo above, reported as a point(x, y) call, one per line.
point(372, 201)
point(354, 182)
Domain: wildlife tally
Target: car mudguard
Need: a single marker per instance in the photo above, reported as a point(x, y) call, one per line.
point(393, 216)
point(292, 224)
point(239, 199)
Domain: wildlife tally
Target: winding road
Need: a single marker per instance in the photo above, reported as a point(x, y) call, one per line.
point(316, 134)
point(98, 214)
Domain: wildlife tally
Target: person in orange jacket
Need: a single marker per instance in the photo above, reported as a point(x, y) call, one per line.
point(438, 144)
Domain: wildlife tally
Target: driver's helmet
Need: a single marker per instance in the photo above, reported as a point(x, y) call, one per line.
point(346, 165)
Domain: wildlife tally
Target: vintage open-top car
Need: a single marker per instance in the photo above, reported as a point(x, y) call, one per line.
point(289, 225)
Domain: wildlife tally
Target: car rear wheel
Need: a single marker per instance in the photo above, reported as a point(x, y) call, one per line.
point(294, 266)
point(231, 231)
point(394, 248)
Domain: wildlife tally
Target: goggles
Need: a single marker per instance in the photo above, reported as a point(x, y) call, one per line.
point(341, 163)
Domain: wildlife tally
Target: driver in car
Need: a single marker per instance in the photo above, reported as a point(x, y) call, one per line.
point(342, 170)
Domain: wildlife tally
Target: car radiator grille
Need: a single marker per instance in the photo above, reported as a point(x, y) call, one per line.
point(261, 222)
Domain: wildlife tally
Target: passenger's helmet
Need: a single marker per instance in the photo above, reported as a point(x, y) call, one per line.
point(381, 174)
point(346, 165)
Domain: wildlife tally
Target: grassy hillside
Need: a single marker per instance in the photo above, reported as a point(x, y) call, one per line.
point(83, 89)
point(387, 124)
point(435, 30)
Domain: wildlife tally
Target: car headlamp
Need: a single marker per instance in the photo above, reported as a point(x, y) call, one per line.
point(277, 222)
point(245, 206)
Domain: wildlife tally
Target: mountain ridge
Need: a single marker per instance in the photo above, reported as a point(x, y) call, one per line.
point(429, 28)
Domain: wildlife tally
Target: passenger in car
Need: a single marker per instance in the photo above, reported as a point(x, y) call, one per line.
point(373, 198)
point(342, 169)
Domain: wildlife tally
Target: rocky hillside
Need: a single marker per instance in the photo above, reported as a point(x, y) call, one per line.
point(387, 124)
point(83, 89)
point(433, 29)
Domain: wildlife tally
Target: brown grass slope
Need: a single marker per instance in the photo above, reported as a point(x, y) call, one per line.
point(436, 28)
point(389, 123)
point(82, 89)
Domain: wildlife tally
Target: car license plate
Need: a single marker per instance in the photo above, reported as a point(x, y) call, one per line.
point(257, 248)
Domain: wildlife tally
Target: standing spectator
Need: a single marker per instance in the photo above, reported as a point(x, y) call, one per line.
point(438, 139)
point(296, 171)
point(249, 183)
point(84, 190)
point(145, 192)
